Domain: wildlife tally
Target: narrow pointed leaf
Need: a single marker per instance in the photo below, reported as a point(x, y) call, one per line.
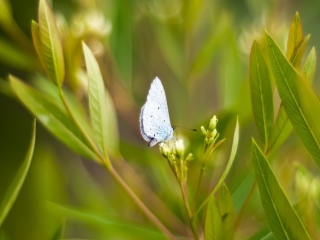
point(261, 94)
point(226, 210)
point(100, 105)
point(53, 116)
point(281, 216)
point(227, 168)
point(36, 39)
point(15, 186)
point(296, 59)
point(282, 126)
point(295, 37)
point(291, 88)
point(51, 48)
point(281, 130)
point(213, 224)
point(309, 66)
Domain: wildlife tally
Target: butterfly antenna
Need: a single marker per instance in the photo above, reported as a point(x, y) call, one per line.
point(191, 129)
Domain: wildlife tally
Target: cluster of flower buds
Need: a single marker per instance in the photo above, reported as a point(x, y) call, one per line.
point(211, 134)
point(176, 159)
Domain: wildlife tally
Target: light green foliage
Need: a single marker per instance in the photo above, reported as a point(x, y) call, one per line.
point(261, 94)
point(213, 224)
point(282, 218)
point(300, 103)
point(100, 105)
point(51, 50)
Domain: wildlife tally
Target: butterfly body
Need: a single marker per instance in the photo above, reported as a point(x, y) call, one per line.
point(155, 123)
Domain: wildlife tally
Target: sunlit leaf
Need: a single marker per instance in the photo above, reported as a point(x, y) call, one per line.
point(295, 37)
point(53, 116)
point(16, 184)
point(300, 103)
point(51, 48)
point(282, 218)
point(36, 40)
point(213, 224)
point(309, 66)
point(101, 106)
point(105, 224)
point(261, 94)
point(226, 210)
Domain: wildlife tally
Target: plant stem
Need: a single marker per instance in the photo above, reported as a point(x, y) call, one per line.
point(139, 203)
point(184, 192)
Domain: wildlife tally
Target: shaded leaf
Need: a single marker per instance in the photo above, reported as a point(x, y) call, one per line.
point(104, 224)
point(296, 59)
point(309, 66)
point(281, 130)
point(294, 38)
point(36, 40)
point(53, 116)
point(226, 210)
point(17, 182)
point(11, 56)
point(261, 94)
point(213, 224)
point(51, 48)
point(297, 98)
point(282, 218)
point(6, 12)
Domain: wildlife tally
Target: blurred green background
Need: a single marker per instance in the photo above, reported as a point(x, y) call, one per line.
point(200, 51)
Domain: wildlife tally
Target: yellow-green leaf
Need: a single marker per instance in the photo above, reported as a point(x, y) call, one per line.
point(300, 103)
point(309, 66)
point(16, 184)
point(295, 37)
point(281, 216)
point(52, 114)
point(51, 48)
point(100, 105)
point(296, 59)
point(213, 224)
point(261, 94)
point(226, 210)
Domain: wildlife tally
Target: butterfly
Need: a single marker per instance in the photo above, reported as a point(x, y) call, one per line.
point(154, 119)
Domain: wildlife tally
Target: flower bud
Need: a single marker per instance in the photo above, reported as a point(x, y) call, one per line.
point(189, 157)
point(204, 131)
point(164, 150)
point(179, 148)
point(213, 123)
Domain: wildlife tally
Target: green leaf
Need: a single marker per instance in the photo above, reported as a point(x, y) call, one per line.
point(281, 130)
point(51, 48)
point(227, 168)
point(282, 126)
point(101, 106)
point(15, 186)
point(213, 224)
point(52, 114)
point(261, 94)
point(36, 40)
point(282, 218)
point(300, 103)
point(309, 66)
point(226, 210)
point(296, 59)
point(295, 37)
point(106, 225)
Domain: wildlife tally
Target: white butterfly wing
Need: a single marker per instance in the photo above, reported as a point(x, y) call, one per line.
point(154, 117)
